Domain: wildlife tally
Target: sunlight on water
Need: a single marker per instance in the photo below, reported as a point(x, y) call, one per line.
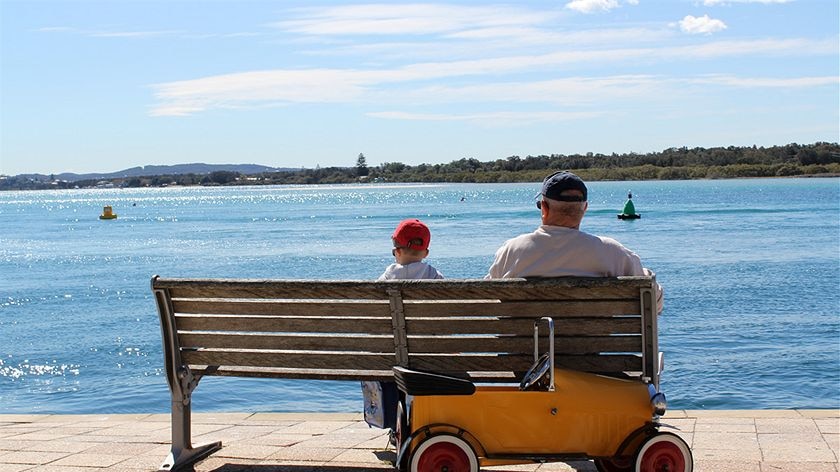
point(750, 271)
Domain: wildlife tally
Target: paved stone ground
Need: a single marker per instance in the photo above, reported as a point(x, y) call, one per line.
point(721, 441)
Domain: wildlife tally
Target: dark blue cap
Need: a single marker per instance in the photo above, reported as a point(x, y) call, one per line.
point(558, 182)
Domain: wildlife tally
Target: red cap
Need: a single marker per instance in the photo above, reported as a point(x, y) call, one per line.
point(413, 234)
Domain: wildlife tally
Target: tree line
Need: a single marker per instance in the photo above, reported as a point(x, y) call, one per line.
point(682, 163)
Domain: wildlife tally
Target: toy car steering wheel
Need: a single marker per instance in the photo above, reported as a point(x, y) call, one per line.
point(535, 376)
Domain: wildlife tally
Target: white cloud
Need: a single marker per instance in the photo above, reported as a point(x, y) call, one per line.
point(408, 19)
point(767, 82)
point(592, 6)
point(130, 34)
point(701, 25)
point(422, 82)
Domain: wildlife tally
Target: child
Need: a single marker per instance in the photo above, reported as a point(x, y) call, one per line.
point(411, 246)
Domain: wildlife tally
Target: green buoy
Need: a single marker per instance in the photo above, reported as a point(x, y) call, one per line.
point(629, 212)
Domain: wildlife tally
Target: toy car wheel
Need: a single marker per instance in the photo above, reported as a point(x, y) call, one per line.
point(614, 465)
point(443, 453)
point(664, 452)
point(402, 426)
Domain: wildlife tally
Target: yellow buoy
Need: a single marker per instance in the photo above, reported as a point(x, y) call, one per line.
point(107, 213)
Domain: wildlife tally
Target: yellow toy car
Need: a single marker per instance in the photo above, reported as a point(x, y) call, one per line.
point(447, 424)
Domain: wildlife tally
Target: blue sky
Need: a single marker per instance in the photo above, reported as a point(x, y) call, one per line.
point(102, 86)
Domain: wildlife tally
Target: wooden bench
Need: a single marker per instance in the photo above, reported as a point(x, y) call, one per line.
point(482, 330)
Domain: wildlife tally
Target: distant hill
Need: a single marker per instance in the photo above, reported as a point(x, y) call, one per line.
point(151, 170)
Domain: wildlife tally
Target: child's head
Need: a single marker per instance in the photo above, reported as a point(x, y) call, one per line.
point(411, 241)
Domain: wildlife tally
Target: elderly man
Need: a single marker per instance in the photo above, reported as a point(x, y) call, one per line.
point(558, 247)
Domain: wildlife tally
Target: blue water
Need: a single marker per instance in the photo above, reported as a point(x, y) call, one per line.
point(751, 271)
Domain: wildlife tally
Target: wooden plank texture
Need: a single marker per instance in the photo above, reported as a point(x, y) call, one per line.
point(335, 342)
point(291, 373)
point(282, 324)
point(524, 344)
point(521, 327)
point(298, 360)
point(344, 329)
point(562, 288)
point(464, 363)
point(283, 307)
point(535, 309)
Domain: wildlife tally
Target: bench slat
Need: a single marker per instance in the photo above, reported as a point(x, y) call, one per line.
point(520, 327)
point(281, 307)
point(383, 343)
point(523, 309)
point(518, 293)
point(454, 365)
point(562, 288)
point(335, 374)
point(524, 344)
point(283, 324)
point(316, 374)
point(354, 361)
point(420, 345)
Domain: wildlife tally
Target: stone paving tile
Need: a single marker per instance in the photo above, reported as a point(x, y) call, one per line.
point(785, 425)
point(41, 436)
point(16, 444)
point(301, 417)
point(827, 413)
point(135, 428)
point(366, 456)
point(797, 467)
point(248, 451)
point(725, 425)
point(216, 417)
point(769, 440)
point(316, 427)
point(280, 439)
point(242, 432)
point(721, 440)
point(725, 466)
point(709, 414)
point(798, 452)
point(14, 467)
point(379, 442)
point(91, 460)
point(322, 454)
point(123, 449)
point(730, 455)
point(149, 461)
point(732, 441)
point(683, 424)
point(828, 425)
point(64, 468)
point(833, 441)
point(338, 466)
point(60, 445)
point(16, 429)
point(26, 418)
point(31, 457)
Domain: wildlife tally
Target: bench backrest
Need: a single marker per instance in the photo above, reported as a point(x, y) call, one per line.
point(359, 330)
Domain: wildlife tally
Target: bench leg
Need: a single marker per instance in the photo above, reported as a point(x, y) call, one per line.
point(183, 455)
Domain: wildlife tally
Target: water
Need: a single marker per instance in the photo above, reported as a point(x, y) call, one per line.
point(751, 271)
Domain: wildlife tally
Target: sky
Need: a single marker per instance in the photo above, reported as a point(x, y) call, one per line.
point(103, 86)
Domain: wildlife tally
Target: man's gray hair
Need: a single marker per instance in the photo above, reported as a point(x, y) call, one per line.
point(567, 209)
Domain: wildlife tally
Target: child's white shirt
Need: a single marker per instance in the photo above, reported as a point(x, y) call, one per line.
point(415, 270)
